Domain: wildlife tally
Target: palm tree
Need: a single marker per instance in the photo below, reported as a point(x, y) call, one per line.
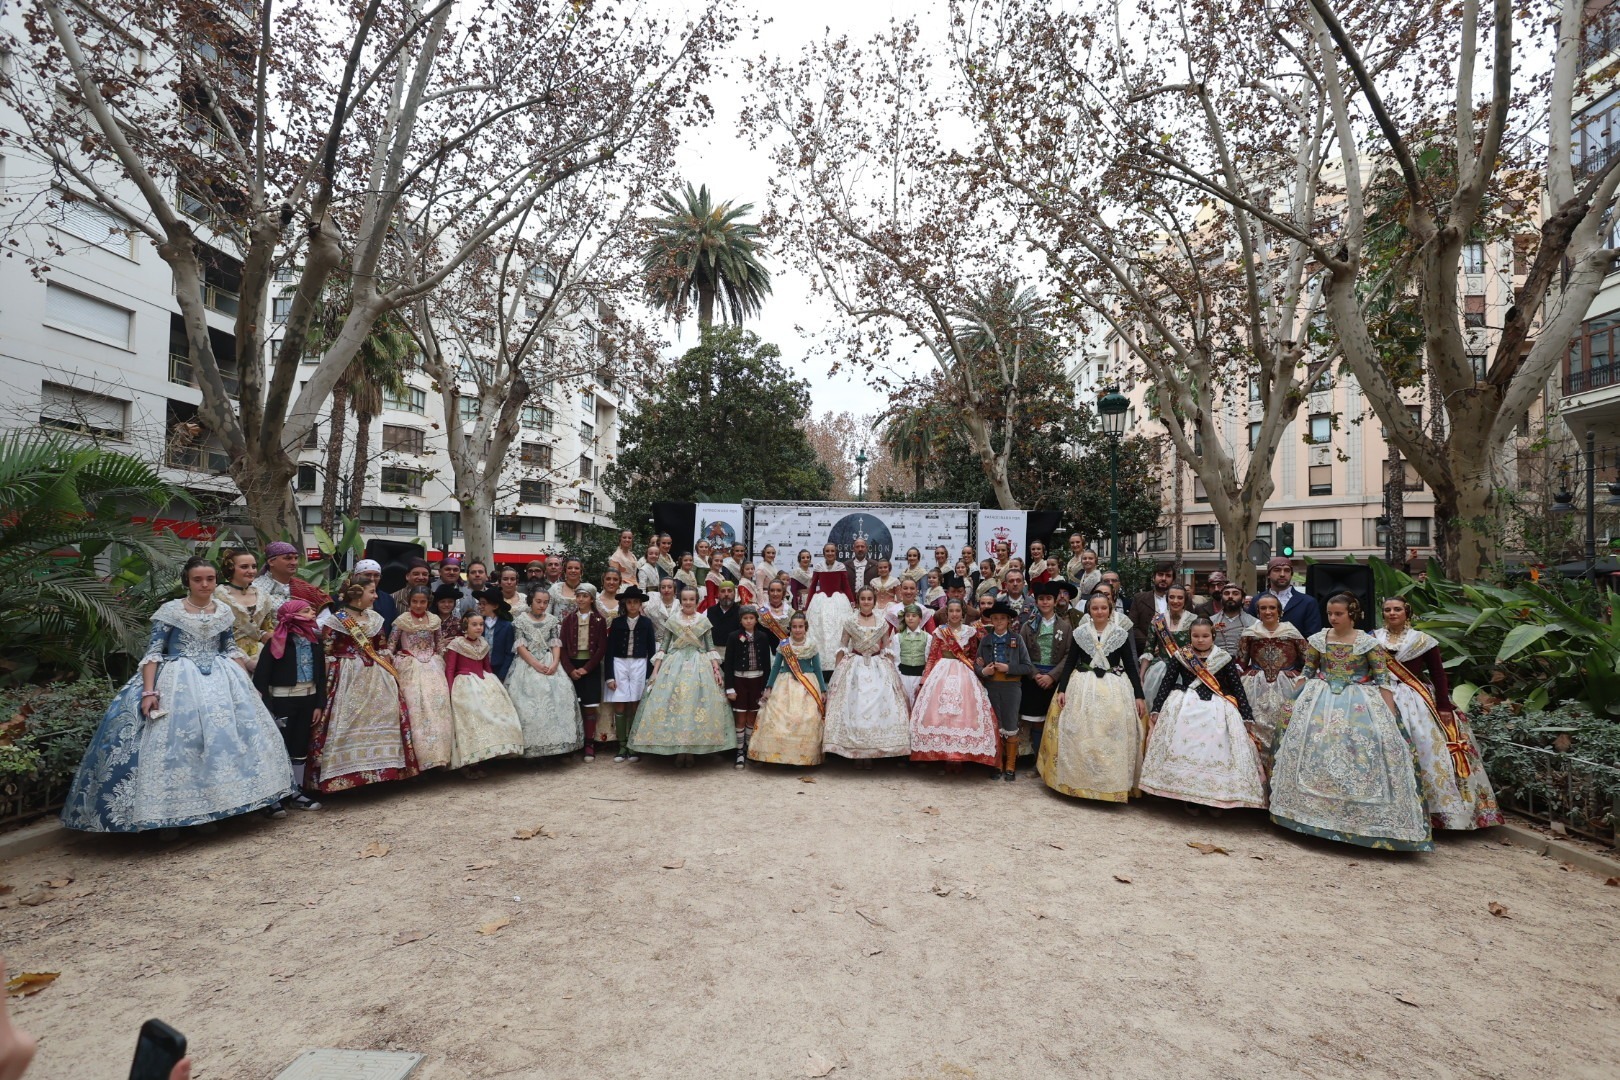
point(909, 435)
point(378, 368)
point(74, 552)
point(707, 251)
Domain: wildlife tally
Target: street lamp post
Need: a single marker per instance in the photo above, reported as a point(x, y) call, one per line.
point(1563, 501)
point(860, 474)
point(1112, 407)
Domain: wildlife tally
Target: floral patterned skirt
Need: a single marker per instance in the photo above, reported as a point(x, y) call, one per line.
point(1200, 752)
point(790, 726)
point(952, 719)
point(1453, 801)
point(1345, 771)
point(365, 735)
point(866, 709)
point(427, 697)
point(685, 710)
point(1092, 748)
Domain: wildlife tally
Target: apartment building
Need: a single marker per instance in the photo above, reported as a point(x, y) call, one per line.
point(1330, 468)
point(93, 345)
point(1590, 398)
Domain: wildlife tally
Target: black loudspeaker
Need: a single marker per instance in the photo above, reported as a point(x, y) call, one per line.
point(393, 554)
point(1040, 525)
point(1323, 581)
point(679, 519)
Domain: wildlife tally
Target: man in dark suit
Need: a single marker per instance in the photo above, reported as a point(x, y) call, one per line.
point(1150, 602)
point(725, 614)
point(861, 568)
point(1299, 607)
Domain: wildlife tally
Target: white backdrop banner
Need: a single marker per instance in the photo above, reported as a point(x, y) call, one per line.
point(888, 530)
point(998, 525)
point(718, 523)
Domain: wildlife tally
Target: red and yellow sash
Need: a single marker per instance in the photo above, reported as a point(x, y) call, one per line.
point(1458, 746)
point(362, 643)
point(771, 623)
point(791, 659)
point(954, 649)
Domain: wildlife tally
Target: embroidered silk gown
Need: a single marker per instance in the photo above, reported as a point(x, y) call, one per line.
point(1092, 748)
point(1344, 766)
point(546, 704)
point(789, 731)
point(830, 604)
point(1271, 662)
point(685, 710)
point(415, 645)
point(1456, 791)
point(1200, 750)
point(866, 706)
point(952, 719)
point(214, 753)
point(487, 725)
point(364, 737)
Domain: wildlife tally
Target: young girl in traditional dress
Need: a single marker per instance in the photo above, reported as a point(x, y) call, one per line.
point(255, 612)
point(800, 579)
point(1092, 748)
point(933, 595)
point(187, 740)
point(686, 574)
point(1270, 654)
point(790, 714)
point(746, 591)
point(445, 600)
point(885, 583)
point(685, 710)
point(487, 726)
point(623, 559)
point(415, 643)
point(867, 715)
point(914, 569)
point(765, 570)
point(830, 607)
point(541, 693)
point(952, 719)
point(912, 642)
point(1456, 791)
point(364, 736)
point(1178, 626)
point(663, 605)
point(1344, 766)
point(1201, 747)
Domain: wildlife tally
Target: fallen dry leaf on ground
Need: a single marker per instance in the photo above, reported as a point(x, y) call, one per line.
point(674, 864)
point(60, 883)
point(872, 950)
point(1566, 867)
point(530, 834)
point(808, 780)
point(478, 866)
point(942, 890)
point(405, 937)
point(1403, 999)
point(7, 889)
point(495, 927)
point(28, 983)
point(373, 850)
point(1499, 910)
point(1207, 849)
point(1615, 881)
point(1036, 912)
point(36, 898)
point(931, 810)
point(872, 919)
point(1054, 843)
point(1122, 879)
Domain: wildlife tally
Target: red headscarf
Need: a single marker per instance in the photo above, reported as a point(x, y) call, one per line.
point(286, 623)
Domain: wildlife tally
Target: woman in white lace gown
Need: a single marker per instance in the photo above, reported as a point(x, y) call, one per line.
point(866, 705)
point(187, 740)
point(542, 693)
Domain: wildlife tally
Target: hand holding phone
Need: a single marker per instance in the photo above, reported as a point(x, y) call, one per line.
point(160, 1054)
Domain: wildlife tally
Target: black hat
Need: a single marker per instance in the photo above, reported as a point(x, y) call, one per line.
point(632, 593)
point(1046, 588)
point(952, 581)
point(447, 592)
point(492, 594)
point(1000, 607)
point(1063, 585)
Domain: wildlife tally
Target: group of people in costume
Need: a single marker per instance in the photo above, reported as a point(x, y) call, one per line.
point(259, 693)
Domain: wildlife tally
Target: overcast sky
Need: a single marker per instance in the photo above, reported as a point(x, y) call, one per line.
point(722, 158)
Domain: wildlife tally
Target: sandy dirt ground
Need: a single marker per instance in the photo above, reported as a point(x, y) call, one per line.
point(892, 923)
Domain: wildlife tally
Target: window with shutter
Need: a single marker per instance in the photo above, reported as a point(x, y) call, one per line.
point(77, 313)
point(68, 408)
point(84, 219)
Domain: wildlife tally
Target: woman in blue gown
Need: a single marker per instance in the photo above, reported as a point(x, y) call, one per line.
point(187, 741)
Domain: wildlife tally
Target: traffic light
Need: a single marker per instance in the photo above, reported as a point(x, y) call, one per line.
point(1285, 540)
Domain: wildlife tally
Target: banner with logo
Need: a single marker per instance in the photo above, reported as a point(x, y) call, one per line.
point(998, 525)
point(721, 524)
point(889, 530)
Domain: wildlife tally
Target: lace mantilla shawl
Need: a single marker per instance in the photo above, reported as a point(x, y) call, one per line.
point(371, 623)
point(801, 575)
point(1217, 659)
point(469, 649)
point(1113, 636)
point(1412, 644)
point(1364, 643)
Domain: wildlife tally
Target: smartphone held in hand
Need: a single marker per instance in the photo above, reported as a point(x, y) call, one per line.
point(157, 1053)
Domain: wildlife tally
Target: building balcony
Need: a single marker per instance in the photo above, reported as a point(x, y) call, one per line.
point(182, 371)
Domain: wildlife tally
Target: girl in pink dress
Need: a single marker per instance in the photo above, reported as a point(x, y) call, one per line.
point(952, 719)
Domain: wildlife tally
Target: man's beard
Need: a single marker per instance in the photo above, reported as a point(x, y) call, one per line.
point(1232, 609)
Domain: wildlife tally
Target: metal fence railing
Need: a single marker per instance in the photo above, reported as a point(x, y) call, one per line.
point(1582, 796)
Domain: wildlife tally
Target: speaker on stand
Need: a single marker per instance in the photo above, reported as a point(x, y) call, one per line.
point(1323, 581)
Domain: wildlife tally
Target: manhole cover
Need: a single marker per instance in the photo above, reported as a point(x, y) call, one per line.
point(351, 1065)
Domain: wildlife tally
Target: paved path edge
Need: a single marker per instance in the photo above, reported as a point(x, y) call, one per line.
point(1542, 845)
point(31, 838)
